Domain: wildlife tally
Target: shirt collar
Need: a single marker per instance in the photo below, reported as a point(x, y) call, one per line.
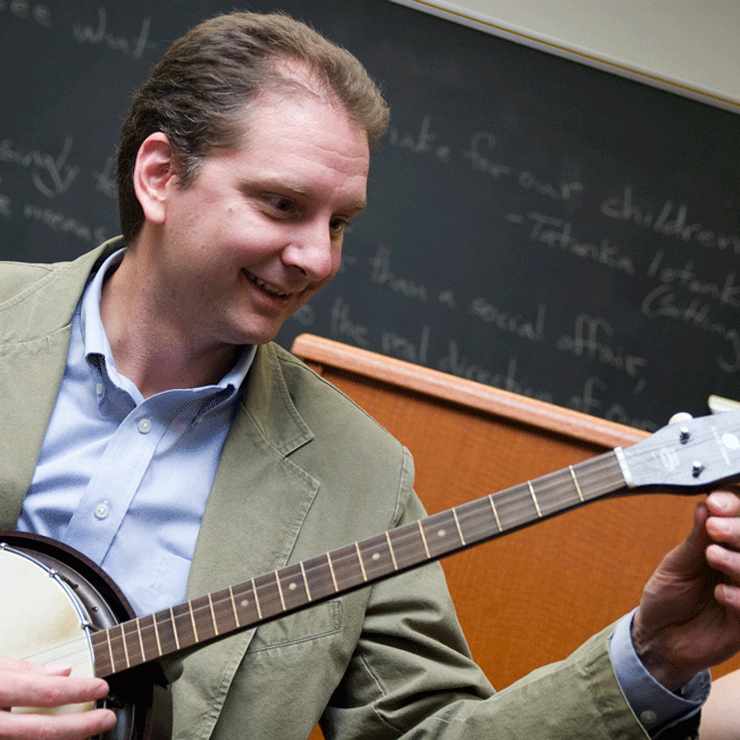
point(96, 346)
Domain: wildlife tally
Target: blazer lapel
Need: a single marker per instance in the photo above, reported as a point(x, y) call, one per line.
point(254, 514)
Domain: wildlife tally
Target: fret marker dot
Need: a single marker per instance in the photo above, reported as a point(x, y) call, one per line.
point(441, 533)
point(244, 603)
point(376, 556)
point(292, 587)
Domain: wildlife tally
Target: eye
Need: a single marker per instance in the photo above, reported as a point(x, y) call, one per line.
point(339, 226)
point(281, 205)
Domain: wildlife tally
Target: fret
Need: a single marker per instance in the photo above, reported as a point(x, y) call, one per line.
point(390, 549)
point(184, 624)
point(280, 590)
point(424, 540)
point(495, 513)
point(362, 565)
point(333, 574)
point(457, 524)
point(213, 615)
point(305, 583)
point(346, 566)
point(318, 580)
point(141, 641)
point(407, 545)
point(103, 653)
point(268, 594)
point(600, 476)
point(156, 635)
point(576, 484)
point(166, 631)
point(174, 628)
point(233, 606)
point(192, 622)
point(125, 647)
point(534, 499)
point(256, 599)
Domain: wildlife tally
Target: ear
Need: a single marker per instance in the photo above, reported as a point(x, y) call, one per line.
point(154, 174)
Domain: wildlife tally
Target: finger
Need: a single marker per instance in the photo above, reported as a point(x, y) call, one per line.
point(723, 503)
point(31, 689)
point(73, 726)
point(725, 561)
point(728, 595)
point(11, 664)
point(723, 524)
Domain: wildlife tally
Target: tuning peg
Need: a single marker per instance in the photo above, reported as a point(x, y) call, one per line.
point(683, 433)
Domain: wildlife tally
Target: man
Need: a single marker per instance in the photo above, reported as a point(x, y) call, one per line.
point(149, 423)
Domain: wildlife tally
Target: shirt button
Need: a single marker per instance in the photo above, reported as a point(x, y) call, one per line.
point(648, 717)
point(102, 510)
point(145, 426)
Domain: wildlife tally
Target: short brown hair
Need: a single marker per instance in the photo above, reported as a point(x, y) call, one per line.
point(207, 77)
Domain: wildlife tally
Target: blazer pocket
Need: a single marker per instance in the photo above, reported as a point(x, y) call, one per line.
point(313, 623)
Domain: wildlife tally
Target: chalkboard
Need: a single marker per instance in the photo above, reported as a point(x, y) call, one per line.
point(535, 223)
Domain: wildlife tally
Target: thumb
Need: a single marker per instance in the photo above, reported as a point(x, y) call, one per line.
point(688, 558)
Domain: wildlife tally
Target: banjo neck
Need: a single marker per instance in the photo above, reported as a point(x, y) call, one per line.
point(696, 456)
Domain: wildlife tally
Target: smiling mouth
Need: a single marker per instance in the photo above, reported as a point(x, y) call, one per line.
point(266, 287)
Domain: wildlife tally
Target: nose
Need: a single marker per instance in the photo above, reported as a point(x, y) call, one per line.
point(313, 251)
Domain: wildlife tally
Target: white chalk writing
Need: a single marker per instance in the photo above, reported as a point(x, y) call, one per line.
point(481, 147)
point(342, 326)
point(512, 323)
point(558, 234)
point(382, 275)
point(51, 175)
point(422, 142)
point(663, 302)
point(105, 180)
point(59, 222)
point(685, 278)
point(671, 219)
point(25, 10)
point(98, 34)
point(592, 338)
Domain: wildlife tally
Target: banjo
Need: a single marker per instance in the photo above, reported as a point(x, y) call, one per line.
point(75, 615)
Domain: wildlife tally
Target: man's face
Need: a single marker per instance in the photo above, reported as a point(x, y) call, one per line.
point(260, 229)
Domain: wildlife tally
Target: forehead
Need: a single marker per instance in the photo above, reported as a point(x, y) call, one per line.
point(303, 132)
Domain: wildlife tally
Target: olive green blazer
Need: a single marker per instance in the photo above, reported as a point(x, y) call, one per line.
point(303, 471)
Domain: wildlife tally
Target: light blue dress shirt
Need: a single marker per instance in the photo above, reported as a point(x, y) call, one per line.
point(124, 479)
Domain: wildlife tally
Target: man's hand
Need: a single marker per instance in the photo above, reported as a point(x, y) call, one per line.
point(30, 685)
point(689, 615)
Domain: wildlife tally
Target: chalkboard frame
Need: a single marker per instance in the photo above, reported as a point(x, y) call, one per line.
point(497, 28)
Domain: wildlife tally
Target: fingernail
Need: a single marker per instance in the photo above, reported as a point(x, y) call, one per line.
point(723, 501)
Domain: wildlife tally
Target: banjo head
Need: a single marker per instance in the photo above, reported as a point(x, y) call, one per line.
point(51, 599)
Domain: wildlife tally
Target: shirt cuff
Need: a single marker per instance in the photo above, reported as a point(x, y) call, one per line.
point(656, 707)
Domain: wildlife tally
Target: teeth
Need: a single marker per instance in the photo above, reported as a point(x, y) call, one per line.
point(271, 289)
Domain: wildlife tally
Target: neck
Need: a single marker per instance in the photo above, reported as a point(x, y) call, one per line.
point(150, 347)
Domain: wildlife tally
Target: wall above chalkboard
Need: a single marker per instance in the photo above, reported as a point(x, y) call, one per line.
point(535, 223)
